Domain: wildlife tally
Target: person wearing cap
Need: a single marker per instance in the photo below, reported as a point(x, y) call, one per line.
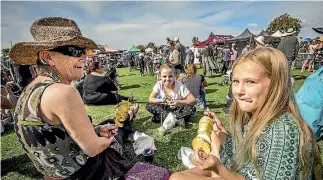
point(289, 45)
point(174, 58)
point(260, 42)
point(50, 118)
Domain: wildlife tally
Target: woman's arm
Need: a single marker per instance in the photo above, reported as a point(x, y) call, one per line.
point(62, 102)
point(226, 174)
point(153, 98)
point(206, 161)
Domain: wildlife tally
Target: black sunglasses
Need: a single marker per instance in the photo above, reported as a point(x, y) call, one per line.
point(74, 51)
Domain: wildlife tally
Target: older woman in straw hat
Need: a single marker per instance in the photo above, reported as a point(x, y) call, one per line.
point(51, 122)
point(268, 139)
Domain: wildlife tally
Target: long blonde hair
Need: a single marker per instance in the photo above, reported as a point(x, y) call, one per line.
point(279, 99)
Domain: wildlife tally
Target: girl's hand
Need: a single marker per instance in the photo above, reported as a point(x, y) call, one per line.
point(205, 161)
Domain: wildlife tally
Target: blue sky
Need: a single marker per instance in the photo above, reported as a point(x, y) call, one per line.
point(121, 24)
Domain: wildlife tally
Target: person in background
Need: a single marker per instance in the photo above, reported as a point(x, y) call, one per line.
point(132, 62)
point(226, 53)
point(181, 49)
point(289, 45)
point(174, 97)
point(189, 56)
point(246, 49)
point(311, 54)
point(268, 138)
point(207, 58)
point(195, 83)
point(309, 101)
point(174, 58)
point(304, 50)
point(318, 62)
point(50, 119)
point(141, 57)
point(99, 89)
point(260, 42)
point(234, 54)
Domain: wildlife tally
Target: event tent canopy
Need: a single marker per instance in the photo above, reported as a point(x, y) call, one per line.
point(90, 53)
point(218, 39)
point(133, 49)
point(277, 34)
point(110, 50)
point(243, 36)
point(263, 33)
point(318, 30)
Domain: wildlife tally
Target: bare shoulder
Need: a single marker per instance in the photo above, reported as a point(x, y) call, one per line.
point(59, 92)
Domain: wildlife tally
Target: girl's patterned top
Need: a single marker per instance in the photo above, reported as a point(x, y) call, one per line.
point(50, 148)
point(277, 150)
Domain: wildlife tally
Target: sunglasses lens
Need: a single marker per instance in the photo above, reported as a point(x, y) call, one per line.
point(74, 51)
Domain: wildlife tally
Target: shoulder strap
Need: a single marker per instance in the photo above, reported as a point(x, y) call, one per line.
point(28, 104)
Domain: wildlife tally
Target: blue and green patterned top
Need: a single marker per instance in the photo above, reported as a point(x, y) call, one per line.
point(277, 152)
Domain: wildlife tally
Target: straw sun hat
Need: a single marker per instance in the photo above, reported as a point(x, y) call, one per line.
point(49, 33)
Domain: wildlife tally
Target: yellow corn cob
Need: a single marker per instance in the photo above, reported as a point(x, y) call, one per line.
point(203, 138)
point(121, 112)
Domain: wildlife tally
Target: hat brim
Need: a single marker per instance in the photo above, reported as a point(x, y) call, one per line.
point(287, 34)
point(26, 53)
point(262, 43)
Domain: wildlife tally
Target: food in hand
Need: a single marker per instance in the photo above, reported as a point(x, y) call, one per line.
point(203, 138)
point(122, 112)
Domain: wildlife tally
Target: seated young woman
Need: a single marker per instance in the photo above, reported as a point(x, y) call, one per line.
point(99, 89)
point(195, 83)
point(268, 137)
point(174, 97)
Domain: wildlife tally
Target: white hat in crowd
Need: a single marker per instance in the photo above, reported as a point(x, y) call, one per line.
point(176, 39)
point(260, 40)
point(290, 31)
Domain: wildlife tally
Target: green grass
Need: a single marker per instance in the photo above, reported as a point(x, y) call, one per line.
point(16, 164)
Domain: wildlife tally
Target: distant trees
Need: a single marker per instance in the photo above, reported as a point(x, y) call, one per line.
point(283, 23)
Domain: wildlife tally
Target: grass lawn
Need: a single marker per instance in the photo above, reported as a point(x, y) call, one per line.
point(16, 164)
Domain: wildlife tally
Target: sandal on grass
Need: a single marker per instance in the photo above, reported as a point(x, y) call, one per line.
point(134, 109)
point(131, 98)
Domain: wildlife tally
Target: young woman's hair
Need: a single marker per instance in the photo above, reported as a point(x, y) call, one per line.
point(166, 66)
point(93, 66)
point(191, 70)
point(280, 99)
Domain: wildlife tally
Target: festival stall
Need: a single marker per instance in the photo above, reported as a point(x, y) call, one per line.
point(133, 49)
point(244, 39)
point(213, 39)
point(111, 50)
point(245, 36)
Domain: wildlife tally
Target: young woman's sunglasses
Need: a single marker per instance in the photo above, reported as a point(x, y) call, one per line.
point(74, 51)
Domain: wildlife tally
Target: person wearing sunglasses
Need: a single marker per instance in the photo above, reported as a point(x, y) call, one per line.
point(50, 119)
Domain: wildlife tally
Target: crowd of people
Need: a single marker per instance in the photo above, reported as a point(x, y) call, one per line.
point(271, 134)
